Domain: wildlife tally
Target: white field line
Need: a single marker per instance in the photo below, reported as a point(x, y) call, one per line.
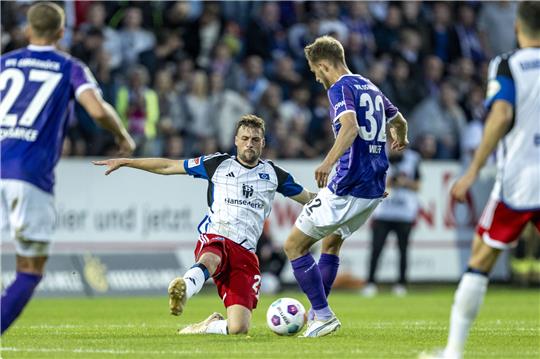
point(100, 351)
point(93, 326)
point(263, 353)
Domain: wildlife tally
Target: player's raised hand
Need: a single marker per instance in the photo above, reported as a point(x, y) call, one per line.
point(461, 187)
point(321, 174)
point(398, 145)
point(112, 164)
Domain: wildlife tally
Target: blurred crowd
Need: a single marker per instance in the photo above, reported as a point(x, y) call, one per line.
point(181, 73)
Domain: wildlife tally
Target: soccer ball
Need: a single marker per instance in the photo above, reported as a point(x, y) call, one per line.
point(286, 316)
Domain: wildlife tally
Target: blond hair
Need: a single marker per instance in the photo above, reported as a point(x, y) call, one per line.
point(251, 121)
point(46, 19)
point(325, 48)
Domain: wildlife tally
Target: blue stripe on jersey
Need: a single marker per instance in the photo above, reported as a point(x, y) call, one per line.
point(506, 91)
point(290, 188)
point(200, 225)
point(195, 167)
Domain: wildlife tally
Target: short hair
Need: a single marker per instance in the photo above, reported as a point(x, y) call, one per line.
point(251, 121)
point(529, 15)
point(325, 48)
point(46, 19)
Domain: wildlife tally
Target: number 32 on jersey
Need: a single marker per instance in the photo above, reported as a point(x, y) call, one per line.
point(366, 101)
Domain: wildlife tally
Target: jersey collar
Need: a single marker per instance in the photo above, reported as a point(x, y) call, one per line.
point(342, 76)
point(243, 165)
point(40, 47)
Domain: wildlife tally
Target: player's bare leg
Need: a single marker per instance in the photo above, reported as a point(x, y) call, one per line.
point(182, 288)
point(331, 244)
point(238, 319)
point(468, 299)
point(309, 278)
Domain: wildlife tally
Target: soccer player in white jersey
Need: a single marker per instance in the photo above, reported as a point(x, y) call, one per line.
point(513, 123)
point(360, 115)
point(240, 193)
point(37, 86)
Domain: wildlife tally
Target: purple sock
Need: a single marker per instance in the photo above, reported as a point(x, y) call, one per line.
point(308, 276)
point(328, 266)
point(16, 296)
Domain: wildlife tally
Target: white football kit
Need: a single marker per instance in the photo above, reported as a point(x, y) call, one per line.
point(515, 77)
point(28, 216)
point(239, 198)
point(515, 198)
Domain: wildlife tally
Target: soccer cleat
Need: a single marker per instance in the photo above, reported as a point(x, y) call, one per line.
point(200, 328)
point(177, 296)
point(319, 328)
point(370, 290)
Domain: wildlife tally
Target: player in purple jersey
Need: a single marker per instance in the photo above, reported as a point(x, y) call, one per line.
point(37, 86)
point(360, 116)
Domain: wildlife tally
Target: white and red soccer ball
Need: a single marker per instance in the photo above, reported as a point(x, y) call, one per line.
point(286, 316)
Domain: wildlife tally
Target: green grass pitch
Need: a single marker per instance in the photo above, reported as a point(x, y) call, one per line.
point(383, 327)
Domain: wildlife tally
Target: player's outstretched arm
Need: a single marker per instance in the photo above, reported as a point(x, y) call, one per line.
point(304, 197)
point(498, 122)
point(397, 128)
point(162, 166)
point(105, 115)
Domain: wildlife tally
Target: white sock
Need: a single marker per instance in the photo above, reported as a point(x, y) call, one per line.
point(467, 300)
point(218, 327)
point(195, 279)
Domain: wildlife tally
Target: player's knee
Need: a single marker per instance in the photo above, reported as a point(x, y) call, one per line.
point(211, 261)
point(238, 328)
point(33, 265)
point(292, 248)
point(483, 257)
point(481, 264)
point(332, 245)
point(288, 247)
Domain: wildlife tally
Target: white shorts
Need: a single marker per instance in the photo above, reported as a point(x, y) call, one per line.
point(328, 213)
point(27, 216)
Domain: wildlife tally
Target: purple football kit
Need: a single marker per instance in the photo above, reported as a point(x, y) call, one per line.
point(354, 191)
point(37, 86)
point(361, 170)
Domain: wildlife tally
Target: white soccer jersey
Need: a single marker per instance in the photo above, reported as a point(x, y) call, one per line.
point(515, 77)
point(239, 198)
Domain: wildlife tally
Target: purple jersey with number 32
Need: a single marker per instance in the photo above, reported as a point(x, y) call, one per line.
point(37, 86)
point(361, 170)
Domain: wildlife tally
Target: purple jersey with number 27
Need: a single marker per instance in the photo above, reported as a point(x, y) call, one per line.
point(37, 86)
point(361, 170)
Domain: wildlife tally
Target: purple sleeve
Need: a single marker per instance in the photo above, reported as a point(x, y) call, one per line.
point(82, 78)
point(341, 100)
point(390, 111)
